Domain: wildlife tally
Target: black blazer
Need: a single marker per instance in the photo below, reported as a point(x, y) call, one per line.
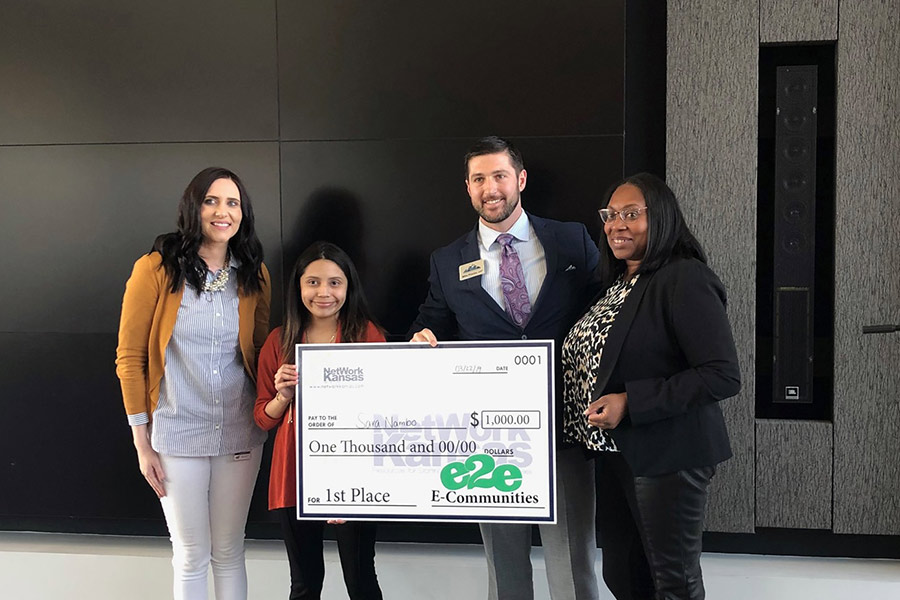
point(672, 351)
point(462, 310)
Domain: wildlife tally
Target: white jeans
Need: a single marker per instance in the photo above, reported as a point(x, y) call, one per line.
point(206, 504)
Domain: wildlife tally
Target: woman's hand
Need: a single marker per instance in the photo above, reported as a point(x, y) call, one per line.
point(286, 380)
point(148, 460)
point(336, 521)
point(606, 412)
point(285, 383)
point(151, 469)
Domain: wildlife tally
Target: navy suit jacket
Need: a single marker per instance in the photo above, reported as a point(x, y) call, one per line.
point(462, 310)
point(671, 350)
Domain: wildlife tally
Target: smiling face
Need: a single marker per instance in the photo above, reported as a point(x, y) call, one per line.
point(495, 187)
point(323, 289)
point(628, 241)
point(220, 212)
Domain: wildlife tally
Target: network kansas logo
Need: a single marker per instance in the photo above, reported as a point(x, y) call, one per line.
point(343, 374)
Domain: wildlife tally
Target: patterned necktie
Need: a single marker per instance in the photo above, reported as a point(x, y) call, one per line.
point(512, 279)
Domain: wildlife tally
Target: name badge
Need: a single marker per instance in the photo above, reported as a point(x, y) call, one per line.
point(472, 269)
point(242, 456)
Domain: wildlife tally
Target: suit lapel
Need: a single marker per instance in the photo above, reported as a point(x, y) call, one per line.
point(550, 244)
point(468, 253)
point(618, 332)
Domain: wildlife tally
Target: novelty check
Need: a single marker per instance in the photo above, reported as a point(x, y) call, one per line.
point(407, 432)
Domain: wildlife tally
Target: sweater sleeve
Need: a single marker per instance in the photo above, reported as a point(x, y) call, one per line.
point(269, 361)
point(263, 306)
point(139, 304)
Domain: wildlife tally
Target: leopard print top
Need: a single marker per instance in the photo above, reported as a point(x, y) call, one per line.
point(581, 354)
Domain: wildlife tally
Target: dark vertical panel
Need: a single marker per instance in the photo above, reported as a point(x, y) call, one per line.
point(77, 217)
point(78, 447)
point(361, 70)
point(390, 204)
point(645, 88)
point(68, 460)
point(80, 206)
point(168, 70)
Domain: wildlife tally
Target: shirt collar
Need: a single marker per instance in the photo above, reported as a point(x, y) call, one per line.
point(519, 230)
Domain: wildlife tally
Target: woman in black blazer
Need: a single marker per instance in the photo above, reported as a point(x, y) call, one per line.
point(644, 370)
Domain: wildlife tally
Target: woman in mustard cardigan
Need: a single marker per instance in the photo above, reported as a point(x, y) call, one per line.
point(194, 315)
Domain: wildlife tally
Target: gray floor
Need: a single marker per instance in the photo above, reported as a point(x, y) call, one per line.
point(43, 566)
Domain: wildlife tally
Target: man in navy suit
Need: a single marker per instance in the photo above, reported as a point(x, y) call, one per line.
point(466, 301)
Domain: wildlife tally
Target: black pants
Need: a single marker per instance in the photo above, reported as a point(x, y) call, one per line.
point(651, 530)
point(356, 546)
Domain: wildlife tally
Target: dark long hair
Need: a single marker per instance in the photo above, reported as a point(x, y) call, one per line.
point(668, 235)
point(354, 316)
point(180, 249)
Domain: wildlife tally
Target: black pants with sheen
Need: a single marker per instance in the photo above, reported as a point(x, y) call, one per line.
point(356, 547)
point(651, 530)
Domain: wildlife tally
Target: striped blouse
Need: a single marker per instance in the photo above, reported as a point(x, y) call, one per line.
point(206, 398)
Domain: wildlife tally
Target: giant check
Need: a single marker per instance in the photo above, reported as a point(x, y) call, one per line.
point(406, 432)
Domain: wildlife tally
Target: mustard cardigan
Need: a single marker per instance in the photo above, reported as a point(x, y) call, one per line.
point(149, 309)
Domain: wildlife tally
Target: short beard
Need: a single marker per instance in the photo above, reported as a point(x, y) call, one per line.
point(510, 208)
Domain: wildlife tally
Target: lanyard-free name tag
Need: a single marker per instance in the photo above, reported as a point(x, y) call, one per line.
point(472, 269)
point(242, 455)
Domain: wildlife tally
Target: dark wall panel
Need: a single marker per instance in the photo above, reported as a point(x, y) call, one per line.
point(169, 70)
point(77, 461)
point(362, 70)
point(390, 204)
point(108, 109)
point(77, 217)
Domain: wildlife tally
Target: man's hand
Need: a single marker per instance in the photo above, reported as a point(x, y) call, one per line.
point(426, 335)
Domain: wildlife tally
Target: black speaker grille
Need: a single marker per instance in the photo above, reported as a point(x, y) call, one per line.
point(793, 346)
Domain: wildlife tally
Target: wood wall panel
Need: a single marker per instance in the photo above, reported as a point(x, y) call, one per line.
point(793, 474)
point(711, 165)
point(797, 20)
point(867, 270)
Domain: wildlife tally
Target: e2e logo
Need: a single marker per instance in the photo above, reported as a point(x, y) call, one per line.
point(479, 472)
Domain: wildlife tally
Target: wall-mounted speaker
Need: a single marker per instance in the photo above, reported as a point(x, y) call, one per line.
point(795, 234)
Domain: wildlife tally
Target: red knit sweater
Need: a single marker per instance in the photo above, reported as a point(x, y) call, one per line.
point(283, 475)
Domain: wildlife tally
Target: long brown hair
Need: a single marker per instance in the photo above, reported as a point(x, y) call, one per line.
point(354, 317)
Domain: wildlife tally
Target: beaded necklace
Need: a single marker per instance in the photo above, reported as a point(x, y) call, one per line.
point(221, 279)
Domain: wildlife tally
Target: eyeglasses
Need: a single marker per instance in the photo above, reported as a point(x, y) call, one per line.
point(628, 215)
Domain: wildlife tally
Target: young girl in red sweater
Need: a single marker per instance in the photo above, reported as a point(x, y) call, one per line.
point(325, 304)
